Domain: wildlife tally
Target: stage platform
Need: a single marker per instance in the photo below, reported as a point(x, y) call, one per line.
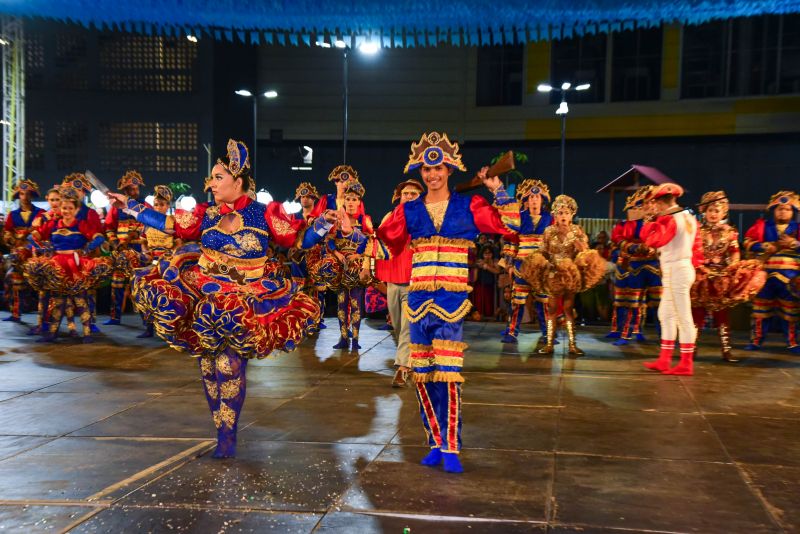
point(116, 437)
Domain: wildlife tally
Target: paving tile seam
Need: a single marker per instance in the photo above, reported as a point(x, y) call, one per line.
point(751, 416)
point(55, 502)
point(743, 475)
point(774, 511)
point(22, 451)
point(581, 526)
point(202, 508)
point(135, 405)
point(640, 458)
point(184, 456)
point(85, 517)
point(440, 518)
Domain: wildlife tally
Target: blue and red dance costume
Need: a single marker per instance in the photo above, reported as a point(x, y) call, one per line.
point(70, 274)
point(225, 301)
point(18, 226)
point(350, 295)
point(438, 303)
point(299, 270)
point(777, 298)
point(637, 282)
point(526, 243)
point(124, 232)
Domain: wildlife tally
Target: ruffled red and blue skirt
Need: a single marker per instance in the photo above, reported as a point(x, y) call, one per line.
point(202, 314)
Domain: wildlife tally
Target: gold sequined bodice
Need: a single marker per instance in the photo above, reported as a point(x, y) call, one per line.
point(720, 242)
point(436, 211)
point(558, 246)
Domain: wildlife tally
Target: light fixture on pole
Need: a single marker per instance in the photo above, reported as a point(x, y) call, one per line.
point(270, 94)
point(370, 48)
point(562, 111)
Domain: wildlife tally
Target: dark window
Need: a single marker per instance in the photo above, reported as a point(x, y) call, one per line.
point(789, 59)
point(636, 65)
point(499, 76)
point(702, 72)
point(741, 57)
point(754, 53)
point(580, 60)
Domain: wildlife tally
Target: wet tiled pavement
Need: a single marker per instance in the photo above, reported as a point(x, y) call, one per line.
point(116, 437)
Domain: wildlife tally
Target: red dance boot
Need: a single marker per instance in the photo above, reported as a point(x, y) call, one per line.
point(664, 357)
point(686, 365)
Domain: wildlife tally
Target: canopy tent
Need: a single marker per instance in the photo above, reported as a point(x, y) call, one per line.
point(402, 23)
point(631, 180)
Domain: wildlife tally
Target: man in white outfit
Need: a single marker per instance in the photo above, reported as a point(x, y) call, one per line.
point(674, 234)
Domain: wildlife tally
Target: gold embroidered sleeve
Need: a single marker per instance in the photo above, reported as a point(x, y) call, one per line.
point(281, 227)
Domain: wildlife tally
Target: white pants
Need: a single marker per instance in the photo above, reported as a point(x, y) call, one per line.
point(396, 297)
point(675, 310)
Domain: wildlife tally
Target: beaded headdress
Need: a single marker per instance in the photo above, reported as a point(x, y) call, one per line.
point(355, 188)
point(238, 158)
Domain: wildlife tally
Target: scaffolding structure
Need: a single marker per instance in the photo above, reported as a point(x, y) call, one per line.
point(12, 47)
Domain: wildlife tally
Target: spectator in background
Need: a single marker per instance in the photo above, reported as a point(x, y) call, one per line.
point(596, 302)
point(602, 245)
point(484, 281)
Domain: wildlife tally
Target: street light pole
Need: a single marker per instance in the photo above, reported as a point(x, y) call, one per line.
point(562, 110)
point(563, 138)
point(255, 137)
point(346, 97)
point(272, 93)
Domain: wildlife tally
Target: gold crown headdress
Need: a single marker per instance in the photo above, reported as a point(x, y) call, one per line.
point(714, 198)
point(77, 181)
point(306, 189)
point(163, 192)
point(343, 173)
point(637, 198)
point(434, 149)
point(784, 197)
point(566, 202)
point(25, 185)
point(238, 158)
point(531, 186)
point(130, 178)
